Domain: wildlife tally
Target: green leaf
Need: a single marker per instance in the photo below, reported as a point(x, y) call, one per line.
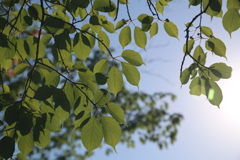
point(116, 112)
point(52, 123)
point(194, 2)
point(104, 42)
point(159, 7)
point(101, 66)
point(131, 73)
point(26, 143)
point(132, 57)
point(220, 70)
point(81, 3)
point(21, 156)
point(82, 117)
point(52, 79)
point(91, 38)
point(24, 124)
point(35, 11)
point(190, 46)
point(154, 29)
point(185, 76)
point(101, 97)
point(101, 79)
point(11, 114)
point(214, 8)
point(23, 49)
point(44, 138)
point(115, 80)
point(233, 4)
point(95, 23)
point(199, 55)
point(46, 39)
point(7, 147)
point(44, 92)
point(108, 26)
point(213, 92)
point(207, 31)
point(32, 44)
point(82, 46)
point(140, 37)
point(196, 86)
point(163, 2)
point(92, 134)
point(171, 29)
point(146, 21)
point(120, 24)
point(216, 46)
point(104, 5)
point(111, 131)
point(53, 25)
point(125, 36)
point(231, 20)
point(62, 112)
point(20, 68)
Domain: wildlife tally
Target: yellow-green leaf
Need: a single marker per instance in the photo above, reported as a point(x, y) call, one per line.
point(116, 112)
point(131, 73)
point(132, 57)
point(140, 37)
point(26, 143)
point(111, 131)
point(154, 29)
point(92, 134)
point(125, 36)
point(171, 29)
point(207, 31)
point(231, 20)
point(104, 42)
point(101, 66)
point(115, 80)
point(20, 68)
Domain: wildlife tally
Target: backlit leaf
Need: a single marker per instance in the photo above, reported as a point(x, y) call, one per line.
point(115, 80)
point(220, 70)
point(104, 5)
point(92, 134)
point(104, 42)
point(154, 29)
point(216, 46)
point(132, 57)
point(26, 143)
point(116, 112)
point(171, 29)
point(101, 66)
point(231, 20)
point(82, 46)
point(120, 24)
point(196, 86)
point(146, 21)
point(111, 131)
point(125, 36)
point(213, 92)
point(185, 76)
point(20, 68)
point(131, 73)
point(140, 37)
point(189, 48)
point(207, 31)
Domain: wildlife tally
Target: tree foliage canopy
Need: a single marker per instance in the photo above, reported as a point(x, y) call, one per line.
point(50, 80)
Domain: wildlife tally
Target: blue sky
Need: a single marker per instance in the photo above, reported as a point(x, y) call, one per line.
point(207, 132)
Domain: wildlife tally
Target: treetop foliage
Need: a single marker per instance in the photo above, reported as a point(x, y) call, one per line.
point(47, 45)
